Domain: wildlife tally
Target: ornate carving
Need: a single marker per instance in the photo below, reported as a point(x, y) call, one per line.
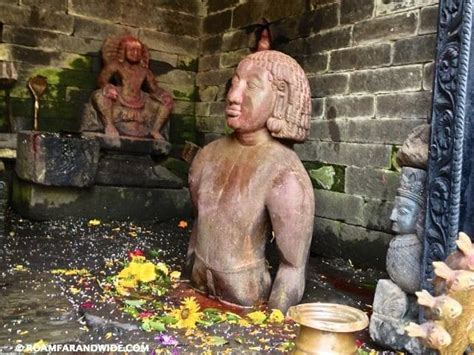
point(447, 139)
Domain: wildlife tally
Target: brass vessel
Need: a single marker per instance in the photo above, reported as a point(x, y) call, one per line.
point(327, 328)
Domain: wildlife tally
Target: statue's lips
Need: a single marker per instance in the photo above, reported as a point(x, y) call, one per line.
point(232, 112)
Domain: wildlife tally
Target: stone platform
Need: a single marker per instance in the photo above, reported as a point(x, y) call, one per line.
point(40, 202)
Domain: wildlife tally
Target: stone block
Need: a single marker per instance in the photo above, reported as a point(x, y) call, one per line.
point(350, 154)
point(407, 78)
point(319, 3)
point(376, 215)
point(56, 160)
point(322, 18)
point(349, 107)
point(353, 11)
point(363, 130)
point(214, 77)
point(87, 28)
point(429, 20)
point(217, 22)
point(161, 62)
point(339, 206)
point(208, 93)
point(360, 57)
point(30, 37)
point(362, 246)
point(328, 84)
point(169, 43)
point(36, 18)
point(390, 333)
point(211, 124)
point(138, 171)
point(390, 299)
point(372, 183)
point(333, 39)
point(202, 108)
point(218, 5)
point(317, 108)
point(211, 44)
point(105, 10)
point(231, 59)
point(414, 50)
point(39, 202)
point(247, 13)
point(315, 63)
point(178, 77)
point(238, 39)
point(183, 107)
point(404, 105)
point(217, 108)
point(390, 6)
point(209, 62)
point(386, 28)
point(428, 76)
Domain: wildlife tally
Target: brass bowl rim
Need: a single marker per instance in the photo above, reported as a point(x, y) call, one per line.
point(356, 319)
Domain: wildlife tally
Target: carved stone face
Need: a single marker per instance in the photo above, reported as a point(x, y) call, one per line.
point(404, 215)
point(250, 99)
point(133, 51)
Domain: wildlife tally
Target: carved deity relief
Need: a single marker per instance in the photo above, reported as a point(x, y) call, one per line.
point(121, 106)
point(249, 184)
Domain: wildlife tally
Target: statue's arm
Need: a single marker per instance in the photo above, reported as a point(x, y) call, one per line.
point(106, 73)
point(291, 208)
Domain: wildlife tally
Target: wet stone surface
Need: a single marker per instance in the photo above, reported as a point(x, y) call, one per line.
point(41, 304)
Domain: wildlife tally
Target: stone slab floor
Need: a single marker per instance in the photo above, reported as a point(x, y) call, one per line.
point(39, 305)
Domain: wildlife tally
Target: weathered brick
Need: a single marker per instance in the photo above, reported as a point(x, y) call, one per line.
point(363, 131)
point(231, 59)
point(373, 155)
point(328, 84)
point(353, 11)
point(36, 18)
point(429, 20)
point(217, 108)
point(87, 28)
point(333, 39)
point(218, 22)
point(208, 93)
point(404, 105)
point(178, 77)
point(163, 59)
point(287, 29)
point(169, 43)
point(339, 206)
point(386, 28)
point(211, 44)
point(233, 40)
point(202, 108)
point(183, 107)
point(372, 183)
point(30, 37)
point(391, 6)
point(362, 246)
point(194, 7)
point(407, 78)
point(414, 50)
point(292, 47)
point(349, 106)
point(248, 13)
point(319, 3)
point(376, 215)
point(55, 5)
point(214, 77)
point(209, 62)
point(107, 10)
point(206, 138)
point(218, 5)
point(316, 63)
point(428, 76)
point(317, 20)
point(214, 124)
point(317, 108)
point(360, 57)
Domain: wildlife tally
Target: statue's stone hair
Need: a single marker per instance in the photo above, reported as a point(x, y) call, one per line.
point(412, 184)
point(292, 112)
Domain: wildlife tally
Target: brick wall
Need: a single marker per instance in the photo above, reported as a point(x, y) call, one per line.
point(370, 68)
point(61, 39)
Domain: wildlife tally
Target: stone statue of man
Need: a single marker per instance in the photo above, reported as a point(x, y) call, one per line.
point(251, 184)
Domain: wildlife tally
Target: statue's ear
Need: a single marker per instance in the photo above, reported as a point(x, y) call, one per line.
point(276, 123)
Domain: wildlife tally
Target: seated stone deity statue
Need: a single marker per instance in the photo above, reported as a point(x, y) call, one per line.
point(251, 184)
point(404, 253)
point(123, 107)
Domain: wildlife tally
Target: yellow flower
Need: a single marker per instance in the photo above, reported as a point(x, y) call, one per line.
point(187, 314)
point(163, 268)
point(276, 316)
point(146, 272)
point(175, 275)
point(257, 317)
point(243, 323)
point(94, 222)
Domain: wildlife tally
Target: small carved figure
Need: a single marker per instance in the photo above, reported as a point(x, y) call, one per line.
point(124, 108)
point(432, 333)
point(249, 184)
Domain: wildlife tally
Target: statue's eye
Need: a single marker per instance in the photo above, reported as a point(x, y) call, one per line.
point(252, 84)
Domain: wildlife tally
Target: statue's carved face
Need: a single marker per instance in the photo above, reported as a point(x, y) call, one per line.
point(250, 99)
point(404, 215)
point(133, 51)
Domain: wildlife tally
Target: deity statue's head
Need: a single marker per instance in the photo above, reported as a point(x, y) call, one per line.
point(409, 201)
point(270, 89)
point(130, 49)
